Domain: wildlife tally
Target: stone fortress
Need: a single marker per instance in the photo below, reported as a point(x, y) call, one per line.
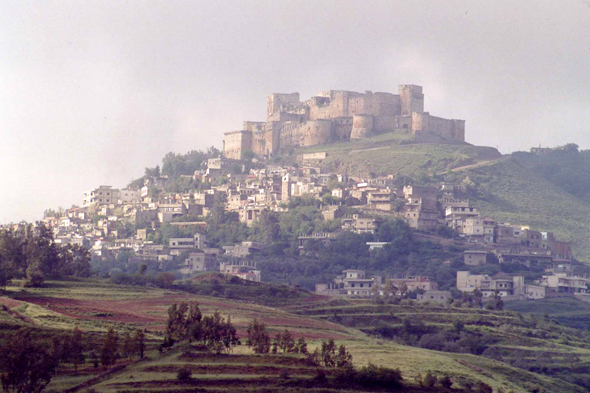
point(338, 115)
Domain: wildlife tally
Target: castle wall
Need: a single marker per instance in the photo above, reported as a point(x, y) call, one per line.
point(316, 132)
point(347, 104)
point(403, 122)
point(449, 129)
point(323, 111)
point(311, 133)
point(254, 126)
point(273, 136)
point(384, 123)
point(259, 142)
point(276, 101)
point(385, 104)
point(341, 129)
point(236, 143)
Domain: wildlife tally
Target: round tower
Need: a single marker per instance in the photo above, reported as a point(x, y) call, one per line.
point(362, 126)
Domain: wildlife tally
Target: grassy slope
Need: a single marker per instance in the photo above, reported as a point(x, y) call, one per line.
point(44, 307)
point(391, 153)
point(569, 311)
point(520, 197)
point(512, 335)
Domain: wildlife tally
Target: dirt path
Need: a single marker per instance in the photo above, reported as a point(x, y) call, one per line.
point(462, 168)
point(370, 149)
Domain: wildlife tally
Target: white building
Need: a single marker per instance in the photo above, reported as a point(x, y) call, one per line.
point(101, 195)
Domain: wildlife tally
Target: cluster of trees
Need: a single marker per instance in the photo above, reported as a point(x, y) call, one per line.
point(475, 299)
point(31, 253)
point(27, 364)
point(112, 350)
point(174, 166)
point(260, 342)
point(331, 356)
point(186, 323)
point(286, 342)
point(455, 339)
point(28, 361)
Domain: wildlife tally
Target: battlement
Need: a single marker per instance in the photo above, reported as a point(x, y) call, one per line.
point(336, 115)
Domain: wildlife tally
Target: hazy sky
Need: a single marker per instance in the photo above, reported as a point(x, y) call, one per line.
point(92, 92)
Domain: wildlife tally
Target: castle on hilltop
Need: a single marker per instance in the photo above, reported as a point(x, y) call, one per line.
point(338, 115)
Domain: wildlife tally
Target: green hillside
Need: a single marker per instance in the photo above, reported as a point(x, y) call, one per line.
point(394, 153)
point(512, 193)
point(96, 305)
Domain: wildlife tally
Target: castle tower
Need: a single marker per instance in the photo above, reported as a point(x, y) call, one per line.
point(362, 126)
point(412, 99)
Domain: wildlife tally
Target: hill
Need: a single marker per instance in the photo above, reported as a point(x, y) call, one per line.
point(564, 166)
point(512, 193)
point(96, 305)
point(395, 153)
point(521, 189)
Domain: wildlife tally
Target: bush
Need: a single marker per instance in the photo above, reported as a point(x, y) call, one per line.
point(184, 374)
point(483, 388)
point(430, 380)
point(284, 374)
point(446, 382)
point(370, 376)
point(379, 377)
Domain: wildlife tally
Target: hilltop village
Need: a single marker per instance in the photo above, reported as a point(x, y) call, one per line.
point(116, 223)
point(164, 220)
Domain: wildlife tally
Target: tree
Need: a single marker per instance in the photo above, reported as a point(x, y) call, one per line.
point(285, 341)
point(328, 353)
point(166, 279)
point(184, 374)
point(343, 358)
point(26, 365)
point(129, 345)
point(139, 339)
point(176, 329)
point(458, 325)
point(108, 354)
point(258, 337)
point(389, 288)
point(76, 348)
point(301, 345)
point(477, 297)
point(267, 228)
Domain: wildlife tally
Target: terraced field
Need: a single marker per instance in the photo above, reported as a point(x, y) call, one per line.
point(528, 342)
point(96, 305)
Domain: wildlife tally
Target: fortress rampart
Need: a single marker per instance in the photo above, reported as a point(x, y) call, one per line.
point(338, 115)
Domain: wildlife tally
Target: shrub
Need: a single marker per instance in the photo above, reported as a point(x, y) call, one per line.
point(430, 380)
point(320, 376)
point(184, 374)
point(446, 382)
point(483, 388)
point(284, 374)
point(372, 376)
